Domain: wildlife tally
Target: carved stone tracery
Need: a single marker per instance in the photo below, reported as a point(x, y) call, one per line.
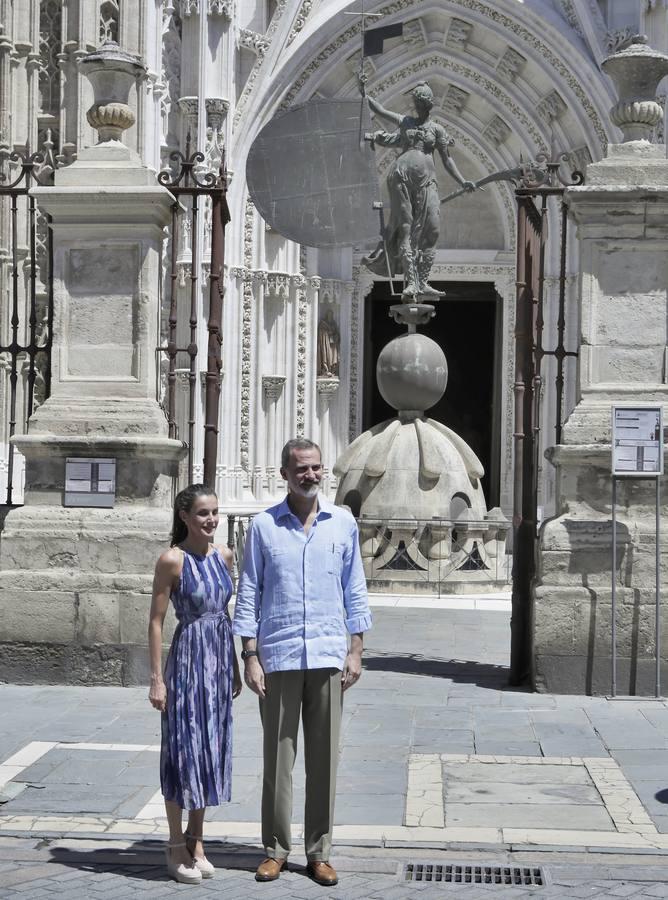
point(511, 64)
point(110, 16)
point(50, 46)
point(481, 9)
point(300, 19)
point(254, 41)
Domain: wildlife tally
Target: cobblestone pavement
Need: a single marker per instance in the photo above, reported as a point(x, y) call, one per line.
point(440, 762)
point(31, 869)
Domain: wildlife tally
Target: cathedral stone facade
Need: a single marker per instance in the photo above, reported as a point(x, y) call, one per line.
point(302, 328)
point(508, 87)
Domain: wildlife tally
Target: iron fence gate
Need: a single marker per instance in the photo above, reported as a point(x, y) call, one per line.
point(537, 186)
point(26, 306)
point(199, 214)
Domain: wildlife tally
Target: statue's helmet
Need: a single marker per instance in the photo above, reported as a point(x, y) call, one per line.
point(423, 93)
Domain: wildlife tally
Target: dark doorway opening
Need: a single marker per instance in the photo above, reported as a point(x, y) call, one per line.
point(467, 326)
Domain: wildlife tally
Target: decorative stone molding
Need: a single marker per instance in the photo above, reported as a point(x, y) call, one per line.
point(330, 290)
point(278, 286)
point(568, 8)
point(580, 158)
point(488, 87)
point(511, 64)
point(183, 273)
point(619, 39)
point(246, 336)
point(551, 107)
point(255, 71)
point(302, 313)
point(499, 22)
point(216, 111)
point(300, 20)
point(214, 151)
point(109, 21)
point(362, 286)
point(259, 276)
point(171, 67)
point(326, 386)
point(272, 386)
point(414, 33)
point(188, 7)
point(458, 34)
point(224, 8)
point(455, 100)
point(497, 131)
point(254, 41)
point(353, 63)
point(189, 107)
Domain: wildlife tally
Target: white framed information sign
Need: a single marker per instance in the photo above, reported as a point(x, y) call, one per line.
point(90, 481)
point(637, 441)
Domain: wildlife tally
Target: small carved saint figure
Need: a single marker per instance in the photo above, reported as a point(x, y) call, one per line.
point(411, 235)
point(329, 344)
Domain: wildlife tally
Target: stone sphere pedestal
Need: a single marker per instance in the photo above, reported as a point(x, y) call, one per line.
point(414, 484)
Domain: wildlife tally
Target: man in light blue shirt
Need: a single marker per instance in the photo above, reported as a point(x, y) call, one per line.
point(302, 590)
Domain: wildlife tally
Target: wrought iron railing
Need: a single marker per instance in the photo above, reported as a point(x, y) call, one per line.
point(26, 305)
point(199, 196)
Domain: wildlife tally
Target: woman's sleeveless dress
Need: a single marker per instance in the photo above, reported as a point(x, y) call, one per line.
point(196, 751)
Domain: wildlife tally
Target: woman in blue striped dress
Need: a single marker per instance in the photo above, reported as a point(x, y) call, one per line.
point(201, 678)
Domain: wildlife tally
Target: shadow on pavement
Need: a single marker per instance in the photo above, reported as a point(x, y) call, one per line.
point(458, 671)
point(145, 860)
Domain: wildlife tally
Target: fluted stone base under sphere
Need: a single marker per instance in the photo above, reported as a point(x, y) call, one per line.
point(414, 484)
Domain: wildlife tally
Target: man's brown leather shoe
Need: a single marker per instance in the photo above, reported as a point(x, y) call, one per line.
point(322, 873)
point(269, 869)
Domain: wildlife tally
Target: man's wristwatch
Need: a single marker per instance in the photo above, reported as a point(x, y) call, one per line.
point(246, 654)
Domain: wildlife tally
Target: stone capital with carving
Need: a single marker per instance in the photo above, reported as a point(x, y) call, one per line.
point(326, 386)
point(278, 286)
point(272, 385)
point(189, 107)
point(224, 8)
point(216, 111)
point(253, 40)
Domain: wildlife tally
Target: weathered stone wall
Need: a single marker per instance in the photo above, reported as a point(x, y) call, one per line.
point(622, 219)
point(573, 596)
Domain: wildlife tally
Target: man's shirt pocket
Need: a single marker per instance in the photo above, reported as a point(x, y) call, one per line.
point(334, 559)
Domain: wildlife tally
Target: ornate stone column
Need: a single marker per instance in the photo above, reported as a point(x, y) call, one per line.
point(272, 387)
point(622, 220)
point(326, 388)
point(78, 578)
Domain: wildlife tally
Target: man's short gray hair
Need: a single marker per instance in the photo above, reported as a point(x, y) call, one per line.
point(297, 444)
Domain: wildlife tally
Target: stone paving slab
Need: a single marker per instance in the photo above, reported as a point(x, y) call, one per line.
point(528, 815)
point(435, 684)
point(544, 793)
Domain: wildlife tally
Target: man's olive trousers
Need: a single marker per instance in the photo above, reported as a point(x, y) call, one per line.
point(315, 695)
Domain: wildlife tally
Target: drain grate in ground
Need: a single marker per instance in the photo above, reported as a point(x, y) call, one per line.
point(428, 873)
